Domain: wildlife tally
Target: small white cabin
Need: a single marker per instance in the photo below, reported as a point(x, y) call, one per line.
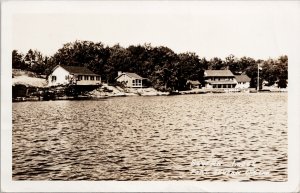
point(130, 80)
point(62, 75)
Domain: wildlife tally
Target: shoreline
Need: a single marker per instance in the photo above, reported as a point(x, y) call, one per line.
point(106, 95)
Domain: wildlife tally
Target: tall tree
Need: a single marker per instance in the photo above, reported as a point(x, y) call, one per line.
point(82, 53)
point(119, 60)
point(216, 64)
point(282, 66)
point(231, 62)
point(188, 69)
point(18, 60)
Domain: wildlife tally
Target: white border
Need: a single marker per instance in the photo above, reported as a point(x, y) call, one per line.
point(7, 185)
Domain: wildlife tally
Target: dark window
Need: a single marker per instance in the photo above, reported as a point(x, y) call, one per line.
point(53, 78)
point(97, 77)
point(92, 78)
point(86, 77)
point(79, 77)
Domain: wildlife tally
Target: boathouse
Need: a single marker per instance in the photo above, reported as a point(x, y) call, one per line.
point(219, 79)
point(63, 75)
point(193, 84)
point(130, 80)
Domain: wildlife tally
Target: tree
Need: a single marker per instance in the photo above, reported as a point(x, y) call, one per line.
point(165, 69)
point(269, 72)
point(82, 53)
point(34, 61)
point(231, 62)
point(38, 66)
point(282, 67)
point(216, 64)
point(163, 63)
point(249, 67)
point(118, 60)
point(189, 68)
point(18, 60)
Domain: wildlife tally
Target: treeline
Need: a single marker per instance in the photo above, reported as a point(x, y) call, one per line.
point(165, 69)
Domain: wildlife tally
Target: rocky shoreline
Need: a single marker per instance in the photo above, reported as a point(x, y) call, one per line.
point(35, 89)
point(32, 93)
point(106, 91)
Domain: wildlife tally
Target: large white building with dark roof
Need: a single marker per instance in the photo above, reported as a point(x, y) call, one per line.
point(219, 79)
point(225, 79)
point(63, 75)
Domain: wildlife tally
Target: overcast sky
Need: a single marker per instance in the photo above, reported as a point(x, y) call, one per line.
point(254, 29)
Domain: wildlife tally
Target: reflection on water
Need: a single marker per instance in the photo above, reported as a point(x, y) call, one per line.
point(150, 138)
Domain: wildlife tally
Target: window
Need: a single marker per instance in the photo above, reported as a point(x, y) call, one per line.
point(53, 78)
point(66, 77)
point(79, 77)
point(137, 82)
point(92, 78)
point(86, 77)
point(97, 77)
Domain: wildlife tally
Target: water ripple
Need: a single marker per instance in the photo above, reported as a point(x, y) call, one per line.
point(150, 138)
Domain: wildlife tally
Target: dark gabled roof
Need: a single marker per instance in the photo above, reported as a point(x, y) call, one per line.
point(221, 73)
point(242, 78)
point(132, 75)
point(78, 70)
point(193, 82)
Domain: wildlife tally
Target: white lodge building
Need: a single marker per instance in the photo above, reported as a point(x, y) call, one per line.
point(130, 80)
point(62, 75)
point(219, 79)
point(225, 79)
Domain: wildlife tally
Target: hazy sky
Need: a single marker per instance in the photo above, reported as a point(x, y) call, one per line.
point(254, 29)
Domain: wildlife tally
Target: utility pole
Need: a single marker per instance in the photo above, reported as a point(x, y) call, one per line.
point(258, 68)
point(257, 77)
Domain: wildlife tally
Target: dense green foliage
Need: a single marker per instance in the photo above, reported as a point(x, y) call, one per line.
point(164, 68)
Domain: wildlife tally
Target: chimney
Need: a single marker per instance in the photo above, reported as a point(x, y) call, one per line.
point(119, 73)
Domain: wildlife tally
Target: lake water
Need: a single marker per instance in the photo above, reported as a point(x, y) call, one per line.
point(209, 137)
